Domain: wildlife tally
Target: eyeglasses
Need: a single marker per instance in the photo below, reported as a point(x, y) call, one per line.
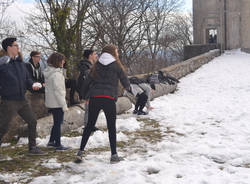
point(15, 46)
point(37, 56)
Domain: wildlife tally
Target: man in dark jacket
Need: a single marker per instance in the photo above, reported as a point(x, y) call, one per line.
point(35, 70)
point(85, 65)
point(14, 80)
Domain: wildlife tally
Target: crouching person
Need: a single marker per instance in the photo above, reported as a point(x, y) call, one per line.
point(141, 90)
point(55, 97)
point(14, 81)
point(141, 99)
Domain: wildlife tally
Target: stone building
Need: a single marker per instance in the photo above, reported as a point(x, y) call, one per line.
point(222, 21)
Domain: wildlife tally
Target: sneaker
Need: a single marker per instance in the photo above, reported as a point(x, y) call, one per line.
point(61, 148)
point(142, 113)
point(36, 151)
point(79, 156)
point(135, 111)
point(51, 145)
point(95, 129)
point(115, 159)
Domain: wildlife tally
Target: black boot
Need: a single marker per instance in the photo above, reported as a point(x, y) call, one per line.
point(142, 113)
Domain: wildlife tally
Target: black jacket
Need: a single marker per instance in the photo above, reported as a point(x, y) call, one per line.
point(84, 68)
point(14, 79)
point(136, 80)
point(36, 74)
point(167, 78)
point(106, 81)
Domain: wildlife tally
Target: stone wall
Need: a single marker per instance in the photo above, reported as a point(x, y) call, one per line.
point(191, 51)
point(73, 118)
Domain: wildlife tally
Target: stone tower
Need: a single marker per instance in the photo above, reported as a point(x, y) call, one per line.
point(222, 21)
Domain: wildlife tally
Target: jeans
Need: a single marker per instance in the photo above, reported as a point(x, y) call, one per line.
point(55, 135)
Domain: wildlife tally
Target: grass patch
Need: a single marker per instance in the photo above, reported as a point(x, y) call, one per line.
point(72, 134)
point(32, 166)
point(170, 131)
point(247, 165)
point(149, 132)
point(22, 162)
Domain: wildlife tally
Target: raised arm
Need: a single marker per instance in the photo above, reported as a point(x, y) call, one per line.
point(124, 79)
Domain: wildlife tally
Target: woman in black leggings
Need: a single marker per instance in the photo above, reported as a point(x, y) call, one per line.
point(101, 88)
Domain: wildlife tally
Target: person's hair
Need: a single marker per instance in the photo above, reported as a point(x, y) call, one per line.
point(3, 53)
point(87, 53)
point(34, 53)
point(55, 59)
point(111, 49)
point(8, 42)
point(20, 55)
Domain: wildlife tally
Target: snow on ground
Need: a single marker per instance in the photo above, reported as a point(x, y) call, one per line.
point(205, 128)
point(99, 138)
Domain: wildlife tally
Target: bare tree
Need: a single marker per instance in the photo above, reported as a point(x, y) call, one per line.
point(58, 26)
point(181, 31)
point(158, 19)
point(5, 23)
point(145, 31)
point(5, 4)
point(121, 23)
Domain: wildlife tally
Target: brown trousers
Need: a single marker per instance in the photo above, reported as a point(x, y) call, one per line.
point(9, 109)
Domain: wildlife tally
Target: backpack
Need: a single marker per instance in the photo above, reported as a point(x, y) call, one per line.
point(79, 83)
point(167, 79)
point(136, 80)
point(153, 79)
point(84, 71)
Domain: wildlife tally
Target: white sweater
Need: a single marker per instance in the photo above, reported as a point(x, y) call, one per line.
point(55, 92)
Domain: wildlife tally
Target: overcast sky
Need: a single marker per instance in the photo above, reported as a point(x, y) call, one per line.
point(18, 9)
point(188, 2)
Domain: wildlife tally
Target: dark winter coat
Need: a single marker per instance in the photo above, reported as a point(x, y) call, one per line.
point(136, 80)
point(106, 82)
point(167, 78)
point(36, 74)
point(84, 68)
point(14, 79)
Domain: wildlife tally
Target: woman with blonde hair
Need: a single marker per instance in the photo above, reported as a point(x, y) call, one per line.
point(101, 88)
